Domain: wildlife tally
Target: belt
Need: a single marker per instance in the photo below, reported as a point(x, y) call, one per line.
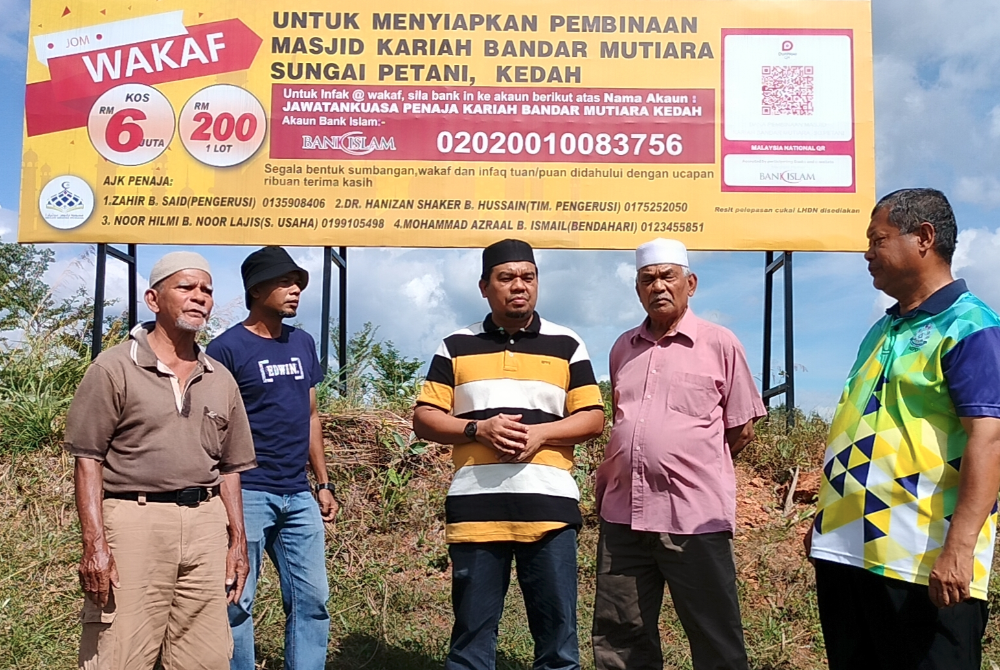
point(189, 497)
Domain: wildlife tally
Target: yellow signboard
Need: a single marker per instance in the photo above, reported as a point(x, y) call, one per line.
point(728, 124)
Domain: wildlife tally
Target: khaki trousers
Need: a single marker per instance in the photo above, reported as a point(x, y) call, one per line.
point(172, 602)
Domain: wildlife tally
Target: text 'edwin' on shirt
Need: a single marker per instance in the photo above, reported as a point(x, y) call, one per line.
point(275, 376)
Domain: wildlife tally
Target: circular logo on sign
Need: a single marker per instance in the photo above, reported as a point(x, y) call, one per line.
point(66, 202)
point(131, 124)
point(787, 45)
point(222, 125)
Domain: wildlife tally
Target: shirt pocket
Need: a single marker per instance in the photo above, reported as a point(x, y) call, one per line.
point(213, 433)
point(693, 395)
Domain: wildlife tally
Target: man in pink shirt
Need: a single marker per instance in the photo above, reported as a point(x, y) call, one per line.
point(684, 406)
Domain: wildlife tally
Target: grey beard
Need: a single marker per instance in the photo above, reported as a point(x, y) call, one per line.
point(190, 327)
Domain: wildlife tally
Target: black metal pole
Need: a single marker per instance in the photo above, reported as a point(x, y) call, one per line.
point(324, 329)
point(768, 312)
point(342, 358)
point(97, 334)
point(789, 344)
point(133, 287)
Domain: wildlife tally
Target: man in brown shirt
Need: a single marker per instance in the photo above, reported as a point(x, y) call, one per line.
point(160, 436)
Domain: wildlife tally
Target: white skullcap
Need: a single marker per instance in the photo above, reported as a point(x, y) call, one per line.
point(175, 262)
point(661, 252)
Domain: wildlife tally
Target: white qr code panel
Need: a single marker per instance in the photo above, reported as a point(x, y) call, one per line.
point(788, 88)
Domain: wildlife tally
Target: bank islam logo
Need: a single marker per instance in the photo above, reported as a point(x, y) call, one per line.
point(788, 176)
point(353, 143)
point(66, 202)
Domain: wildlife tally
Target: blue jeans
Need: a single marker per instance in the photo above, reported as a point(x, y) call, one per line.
point(480, 576)
point(289, 528)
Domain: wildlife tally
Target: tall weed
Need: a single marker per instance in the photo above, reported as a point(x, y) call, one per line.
point(777, 450)
point(41, 365)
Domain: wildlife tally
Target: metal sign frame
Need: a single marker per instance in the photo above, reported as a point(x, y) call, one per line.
point(787, 387)
point(131, 260)
point(772, 265)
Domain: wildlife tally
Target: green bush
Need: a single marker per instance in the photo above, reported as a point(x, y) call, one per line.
point(377, 375)
point(44, 349)
point(35, 394)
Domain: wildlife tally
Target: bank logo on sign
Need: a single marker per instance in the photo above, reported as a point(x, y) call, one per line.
point(353, 143)
point(269, 371)
point(787, 176)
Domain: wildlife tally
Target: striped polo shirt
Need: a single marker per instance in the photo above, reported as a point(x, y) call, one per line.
point(541, 372)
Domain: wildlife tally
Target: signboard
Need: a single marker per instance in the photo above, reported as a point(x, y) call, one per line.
point(729, 124)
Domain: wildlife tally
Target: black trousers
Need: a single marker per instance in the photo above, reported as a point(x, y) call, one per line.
point(871, 621)
point(632, 568)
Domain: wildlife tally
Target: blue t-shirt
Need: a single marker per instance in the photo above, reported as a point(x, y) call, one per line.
point(275, 377)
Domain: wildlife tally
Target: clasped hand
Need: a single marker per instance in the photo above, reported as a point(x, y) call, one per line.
point(515, 441)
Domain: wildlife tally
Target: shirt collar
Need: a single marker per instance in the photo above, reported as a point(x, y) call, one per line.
point(143, 354)
point(688, 327)
point(938, 302)
point(532, 328)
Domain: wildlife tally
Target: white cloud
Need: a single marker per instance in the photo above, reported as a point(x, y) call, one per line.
point(983, 191)
point(425, 292)
point(8, 224)
point(626, 273)
point(976, 259)
point(934, 62)
point(995, 122)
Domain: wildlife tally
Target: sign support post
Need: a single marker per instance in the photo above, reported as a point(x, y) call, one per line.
point(771, 267)
point(129, 258)
point(329, 258)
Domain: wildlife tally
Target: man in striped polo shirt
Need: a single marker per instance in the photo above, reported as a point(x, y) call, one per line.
point(513, 394)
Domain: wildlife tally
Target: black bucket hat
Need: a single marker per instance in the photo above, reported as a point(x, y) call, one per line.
point(269, 263)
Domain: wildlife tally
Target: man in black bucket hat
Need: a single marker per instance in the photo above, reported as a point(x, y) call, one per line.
point(277, 370)
point(267, 264)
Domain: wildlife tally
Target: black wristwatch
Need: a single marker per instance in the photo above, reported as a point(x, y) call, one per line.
point(328, 486)
point(470, 430)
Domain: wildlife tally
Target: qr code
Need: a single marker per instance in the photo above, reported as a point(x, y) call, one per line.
point(786, 90)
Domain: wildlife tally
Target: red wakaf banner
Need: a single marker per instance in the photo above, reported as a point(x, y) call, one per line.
point(65, 100)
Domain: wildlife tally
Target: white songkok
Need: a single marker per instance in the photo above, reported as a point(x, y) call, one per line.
point(176, 261)
point(661, 252)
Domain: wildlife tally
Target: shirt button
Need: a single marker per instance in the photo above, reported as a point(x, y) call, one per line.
point(649, 396)
point(512, 341)
point(654, 372)
point(642, 421)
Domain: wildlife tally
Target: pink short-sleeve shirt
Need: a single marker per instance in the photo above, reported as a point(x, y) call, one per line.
point(667, 467)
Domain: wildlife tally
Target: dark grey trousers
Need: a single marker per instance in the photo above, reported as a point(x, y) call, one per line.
point(633, 566)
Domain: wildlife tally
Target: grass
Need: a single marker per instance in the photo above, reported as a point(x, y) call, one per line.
point(388, 566)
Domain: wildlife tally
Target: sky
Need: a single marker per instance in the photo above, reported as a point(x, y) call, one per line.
point(937, 123)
